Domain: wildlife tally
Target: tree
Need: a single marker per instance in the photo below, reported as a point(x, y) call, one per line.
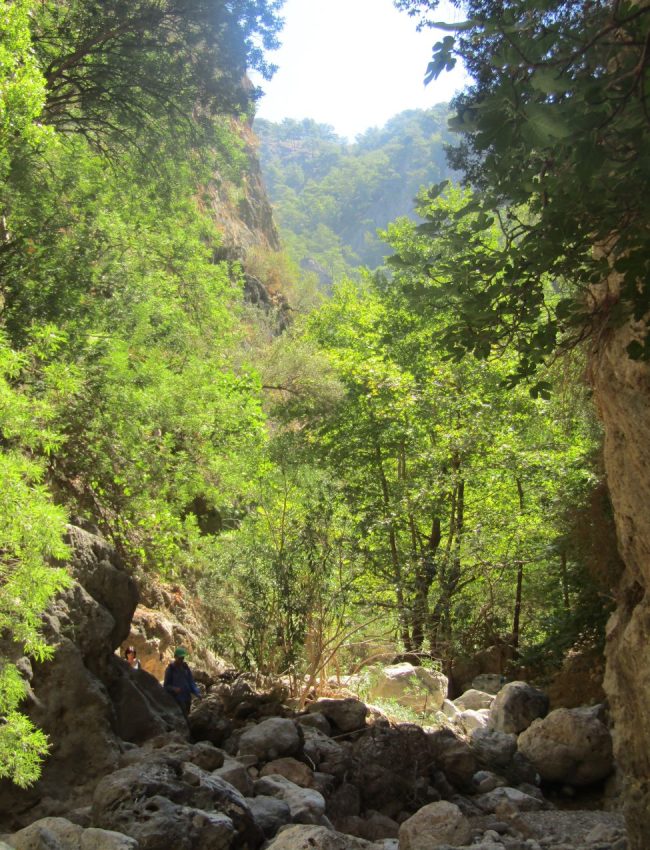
point(555, 136)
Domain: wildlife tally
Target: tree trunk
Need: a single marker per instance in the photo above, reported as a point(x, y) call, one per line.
point(622, 394)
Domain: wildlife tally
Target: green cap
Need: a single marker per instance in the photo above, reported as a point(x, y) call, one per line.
point(180, 652)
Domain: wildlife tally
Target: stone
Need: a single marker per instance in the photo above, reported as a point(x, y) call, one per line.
point(472, 720)
point(571, 745)
point(208, 723)
point(270, 813)
point(301, 837)
point(485, 781)
point(489, 683)
point(327, 755)
point(492, 748)
point(491, 801)
point(414, 687)
point(474, 700)
point(236, 774)
point(433, 826)
point(450, 709)
point(169, 803)
point(454, 757)
point(104, 839)
point(316, 720)
point(290, 768)
point(516, 706)
point(270, 739)
point(347, 715)
point(306, 804)
point(48, 834)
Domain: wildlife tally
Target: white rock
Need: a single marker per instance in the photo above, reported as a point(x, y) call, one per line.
point(474, 700)
point(270, 739)
point(472, 720)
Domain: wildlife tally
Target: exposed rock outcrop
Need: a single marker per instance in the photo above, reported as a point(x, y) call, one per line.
point(622, 394)
point(85, 698)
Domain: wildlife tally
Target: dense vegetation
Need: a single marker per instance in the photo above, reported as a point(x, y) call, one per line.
point(372, 483)
point(330, 196)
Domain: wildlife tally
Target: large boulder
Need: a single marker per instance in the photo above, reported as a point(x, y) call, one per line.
point(571, 745)
point(516, 706)
point(453, 756)
point(492, 748)
point(433, 826)
point(306, 804)
point(347, 715)
point(270, 739)
point(60, 834)
point(168, 803)
point(317, 838)
point(474, 700)
point(414, 687)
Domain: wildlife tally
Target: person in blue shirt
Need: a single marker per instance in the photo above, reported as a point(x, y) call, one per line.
point(179, 681)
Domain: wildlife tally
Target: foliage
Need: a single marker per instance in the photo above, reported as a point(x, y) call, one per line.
point(31, 530)
point(121, 398)
point(331, 196)
point(554, 134)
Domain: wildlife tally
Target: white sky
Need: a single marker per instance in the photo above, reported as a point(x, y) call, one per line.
point(352, 64)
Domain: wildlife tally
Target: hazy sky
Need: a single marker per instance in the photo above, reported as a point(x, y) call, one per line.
point(352, 64)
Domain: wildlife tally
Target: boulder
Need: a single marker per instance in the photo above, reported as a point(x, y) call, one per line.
point(236, 774)
point(472, 720)
point(450, 709)
point(492, 748)
point(270, 739)
point(168, 803)
point(305, 804)
point(316, 720)
point(291, 769)
point(347, 715)
point(316, 838)
point(60, 834)
point(516, 706)
point(570, 745)
point(454, 757)
point(208, 722)
point(414, 687)
point(473, 700)
point(490, 683)
point(491, 801)
point(433, 826)
point(270, 813)
point(327, 755)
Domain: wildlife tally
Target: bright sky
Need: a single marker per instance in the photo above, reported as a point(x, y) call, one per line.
point(352, 64)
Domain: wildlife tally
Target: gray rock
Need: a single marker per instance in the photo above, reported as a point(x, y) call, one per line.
point(270, 813)
point(494, 749)
point(236, 774)
point(521, 801)
point(307, 806)
point(571, 745)
point(472, 720)
point(316, 720)
point(516, 706)
point(270, 739)
point(347, 715)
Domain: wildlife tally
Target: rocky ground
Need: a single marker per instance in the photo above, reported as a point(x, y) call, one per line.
point(249, 772)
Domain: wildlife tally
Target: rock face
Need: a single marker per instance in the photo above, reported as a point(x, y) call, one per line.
point(85, 698)
point(571, 745)
point(622, 395)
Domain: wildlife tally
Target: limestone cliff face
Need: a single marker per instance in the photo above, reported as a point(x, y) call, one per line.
point(622, 393)
point(242, 211)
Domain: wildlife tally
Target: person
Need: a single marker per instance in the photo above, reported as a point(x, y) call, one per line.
point(131, 657)
point(179, 681)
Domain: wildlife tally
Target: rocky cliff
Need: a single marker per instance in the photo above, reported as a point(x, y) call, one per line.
point(622, 392)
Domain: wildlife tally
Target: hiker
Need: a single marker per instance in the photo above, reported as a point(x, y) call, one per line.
point(131, 658)
point(179, 681)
